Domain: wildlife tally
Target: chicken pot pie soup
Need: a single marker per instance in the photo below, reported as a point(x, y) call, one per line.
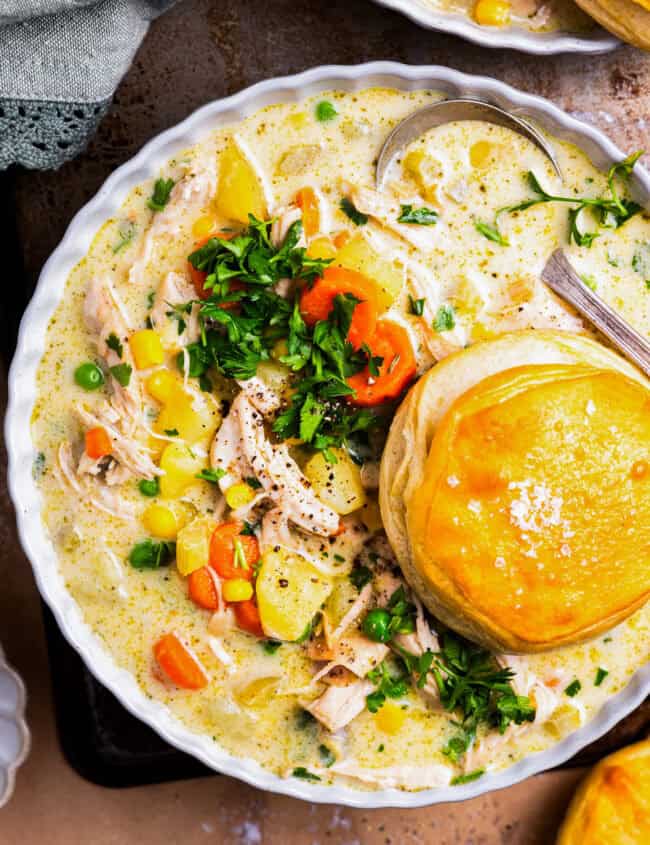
point(533, 15)
point(226, 364)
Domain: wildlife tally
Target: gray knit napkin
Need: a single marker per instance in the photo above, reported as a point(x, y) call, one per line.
point(60, 62)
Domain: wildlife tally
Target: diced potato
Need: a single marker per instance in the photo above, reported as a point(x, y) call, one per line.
point(336, 485)
point(289, 594)
point(321, 248)
point(193, 545)
point(146, 348)
point(181, 467)
point(357, 254)
point(204, 226)
point(274, 375)
point(240, 191)
point(161, 384)
point(426, 171)
point(390, 717)
point(298, 159)
point(194, 418)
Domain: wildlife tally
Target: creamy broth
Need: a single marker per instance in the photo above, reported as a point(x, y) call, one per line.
point(253, 702)
point(534, 15)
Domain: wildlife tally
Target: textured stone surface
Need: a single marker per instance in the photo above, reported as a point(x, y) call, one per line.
point(200, 51)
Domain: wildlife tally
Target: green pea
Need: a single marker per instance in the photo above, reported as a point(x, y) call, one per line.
point(376, 625)
point(148, 487)
point(89, 376)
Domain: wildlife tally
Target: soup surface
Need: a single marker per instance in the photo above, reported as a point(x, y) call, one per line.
point(211, 495)
point(533, 15)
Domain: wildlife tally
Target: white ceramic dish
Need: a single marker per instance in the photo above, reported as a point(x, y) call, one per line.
point(22, 390)
point(509, 38)
point(14, 735)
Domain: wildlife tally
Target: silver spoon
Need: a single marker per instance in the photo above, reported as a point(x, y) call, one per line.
point(446, 111)
point(560, 276)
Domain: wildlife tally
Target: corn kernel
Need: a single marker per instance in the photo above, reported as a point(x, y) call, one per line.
point(146, 348)
point(321, 248)
point(492, 12)
point(160, 521)
point(161, 385)
point(479, 154)
point(203, 226)
point(236, 589)
point(390, 718)
point(238, 495)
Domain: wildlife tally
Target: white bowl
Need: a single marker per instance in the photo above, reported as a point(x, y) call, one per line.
point(510, 37)
point(22, 394)
point(14, 736)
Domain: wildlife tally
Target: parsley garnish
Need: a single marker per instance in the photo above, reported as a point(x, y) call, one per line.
point(171, 432)
point(641, 261)
point(419, 216)
point(253, 483)
point(211, 475)
point(325, 111)
point(573, 689)
point(388, 686)
point(601, 674)
point(150, 555)
point(122, 374)
point(360, 576)
point(302, 772)
point(417, 306)
point(445, 319)
point(491, 233)
point(468, 778)
point(327, 755)
point(589, 281)
point(126, 234)
point(350, 210)
point(611, 211)
point(113, 342)
point(38, 466)
point(271, 646)
point(160, 196)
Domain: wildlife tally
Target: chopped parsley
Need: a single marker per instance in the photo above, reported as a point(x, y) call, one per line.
point(350, 210)
point(271, 646)
point(214, 476)
point(122, 374)
point(416, 306)
point(113, 342)
point(149, 487)
point(253, 483)
point(641, 261)
point(126, 234)
point(611, 212)
point(601, 674)
point(171, 432)
point(445, 319)
point(304, 774)
point(327, 755)
point(360, 576)
point(589, 281)
point(388, 686)
point(467, 778)
point(150, 555)
point(419, 216)
point(160, 196)
point(573, 689)
point(491, 233)
point(38, 466)
point(325, 111)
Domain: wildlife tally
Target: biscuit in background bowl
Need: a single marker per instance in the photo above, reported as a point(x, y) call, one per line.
point(628, 19)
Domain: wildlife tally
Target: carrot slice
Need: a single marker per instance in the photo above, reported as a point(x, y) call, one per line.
point(341, 238)
point(179, 663)
point(248, 617)
point(199, 276)
point(390, 342)
point(226, 540)
point(98, 443)
point(307, 201)
point(317, 302)
point(202, 589)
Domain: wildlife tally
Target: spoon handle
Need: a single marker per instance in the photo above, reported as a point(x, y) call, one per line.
point(560, 276)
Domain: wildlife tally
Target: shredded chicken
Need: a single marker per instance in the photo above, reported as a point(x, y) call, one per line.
point(353, 652)
point(175, 290)
point(97, 495)
point(338, 706)
point(260, 395)
point(359, 606)
point(188, 198)
point(284, 220)
point(216, 647)
point(386, 212)
point(406, 776)
point(242, 449)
